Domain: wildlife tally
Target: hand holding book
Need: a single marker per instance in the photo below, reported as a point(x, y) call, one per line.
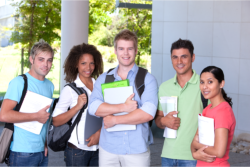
point(169, 107)
point(130, 104)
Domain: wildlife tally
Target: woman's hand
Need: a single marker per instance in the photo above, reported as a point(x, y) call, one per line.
point(201, 155)
point(94, 139)
point(81, 101)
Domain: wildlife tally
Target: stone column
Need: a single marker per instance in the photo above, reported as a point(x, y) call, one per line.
point(74, 27)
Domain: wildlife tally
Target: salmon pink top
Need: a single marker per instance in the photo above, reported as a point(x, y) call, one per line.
point(223, 118)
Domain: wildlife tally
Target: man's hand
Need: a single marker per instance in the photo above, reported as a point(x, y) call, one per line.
point(43, 115)
point(130, 105)
point(109, 121)
point(93, 139)
point(170, 121)
point(201, 155)
point(81, 101)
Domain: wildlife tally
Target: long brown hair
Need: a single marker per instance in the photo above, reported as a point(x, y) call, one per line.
point(70, 64)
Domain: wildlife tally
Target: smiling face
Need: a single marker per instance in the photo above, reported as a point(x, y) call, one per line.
point(182, 61)
point(210, 86)
point(41, 65)
point(86, 65)
point(126, 52)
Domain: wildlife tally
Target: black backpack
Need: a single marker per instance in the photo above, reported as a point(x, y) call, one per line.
point(10, 126)
point(139, 82)
point(58, 136)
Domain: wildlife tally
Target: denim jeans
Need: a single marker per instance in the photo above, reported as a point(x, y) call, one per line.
point(167, 162)
point(28, 159)
point(77, 157)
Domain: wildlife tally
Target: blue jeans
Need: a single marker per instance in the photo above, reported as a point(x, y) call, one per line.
point(167, 162)
point(77, 157)
point(28, 159)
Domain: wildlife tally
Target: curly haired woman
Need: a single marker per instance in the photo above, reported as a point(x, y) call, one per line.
point(82, 66)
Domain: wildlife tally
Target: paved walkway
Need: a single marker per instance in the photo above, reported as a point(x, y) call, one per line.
point(236, 159)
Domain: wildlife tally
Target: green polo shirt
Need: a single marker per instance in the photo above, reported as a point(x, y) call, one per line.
point(189, 106)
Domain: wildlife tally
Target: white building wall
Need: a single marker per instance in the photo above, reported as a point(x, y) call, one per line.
point(220, 32)
point(6, 20)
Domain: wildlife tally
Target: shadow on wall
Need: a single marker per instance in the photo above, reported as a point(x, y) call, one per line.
point(241, 144)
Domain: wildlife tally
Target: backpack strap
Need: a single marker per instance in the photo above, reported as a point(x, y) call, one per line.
point(109, 78)
point(140, 84)
point(139, 80)
point(204, 101)
point(79, 91)
point(18, 106)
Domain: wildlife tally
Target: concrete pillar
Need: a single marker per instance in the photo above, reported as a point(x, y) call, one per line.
point(74, 27)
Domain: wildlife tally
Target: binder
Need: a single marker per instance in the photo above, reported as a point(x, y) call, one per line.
point(115, 84)
point(118, 95)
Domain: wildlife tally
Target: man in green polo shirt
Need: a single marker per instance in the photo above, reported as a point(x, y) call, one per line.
point(184, 85)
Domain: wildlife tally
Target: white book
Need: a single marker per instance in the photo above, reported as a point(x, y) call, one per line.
point(169, 104)
point(118, 95)
point(32, 103)
point(206, 130)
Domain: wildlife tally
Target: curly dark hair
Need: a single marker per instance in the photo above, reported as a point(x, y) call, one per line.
point(70, 64)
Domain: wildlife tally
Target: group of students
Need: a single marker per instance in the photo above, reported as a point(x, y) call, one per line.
point(84, 67)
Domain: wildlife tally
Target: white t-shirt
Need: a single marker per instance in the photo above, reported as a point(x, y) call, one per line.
point(68, 98)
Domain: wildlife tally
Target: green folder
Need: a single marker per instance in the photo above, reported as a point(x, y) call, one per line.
point(115, 84)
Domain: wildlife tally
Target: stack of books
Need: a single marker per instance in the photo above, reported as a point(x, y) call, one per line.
point(117, 93)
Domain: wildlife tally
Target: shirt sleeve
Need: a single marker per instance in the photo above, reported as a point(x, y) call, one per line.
point(64, 102)
point(223, 118)
point(15, 89)
point(96, 97)
point(159, 104)
point(149, 97)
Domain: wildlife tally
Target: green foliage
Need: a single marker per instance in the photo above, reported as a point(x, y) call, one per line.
point(137, 20)
point(17, 46)
point(112, 58)
point(99, 11)
point(36, 19)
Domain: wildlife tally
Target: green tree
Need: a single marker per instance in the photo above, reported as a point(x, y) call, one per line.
point(139, 21)
point(36, 19)
point(99, 13)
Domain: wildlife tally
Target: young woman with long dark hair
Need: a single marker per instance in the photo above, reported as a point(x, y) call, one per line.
point(211, 85)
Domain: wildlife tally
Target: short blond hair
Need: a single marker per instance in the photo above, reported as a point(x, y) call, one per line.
point(40, 46)
point(126, 35)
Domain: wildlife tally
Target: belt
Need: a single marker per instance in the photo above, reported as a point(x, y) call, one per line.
point(73, 146)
